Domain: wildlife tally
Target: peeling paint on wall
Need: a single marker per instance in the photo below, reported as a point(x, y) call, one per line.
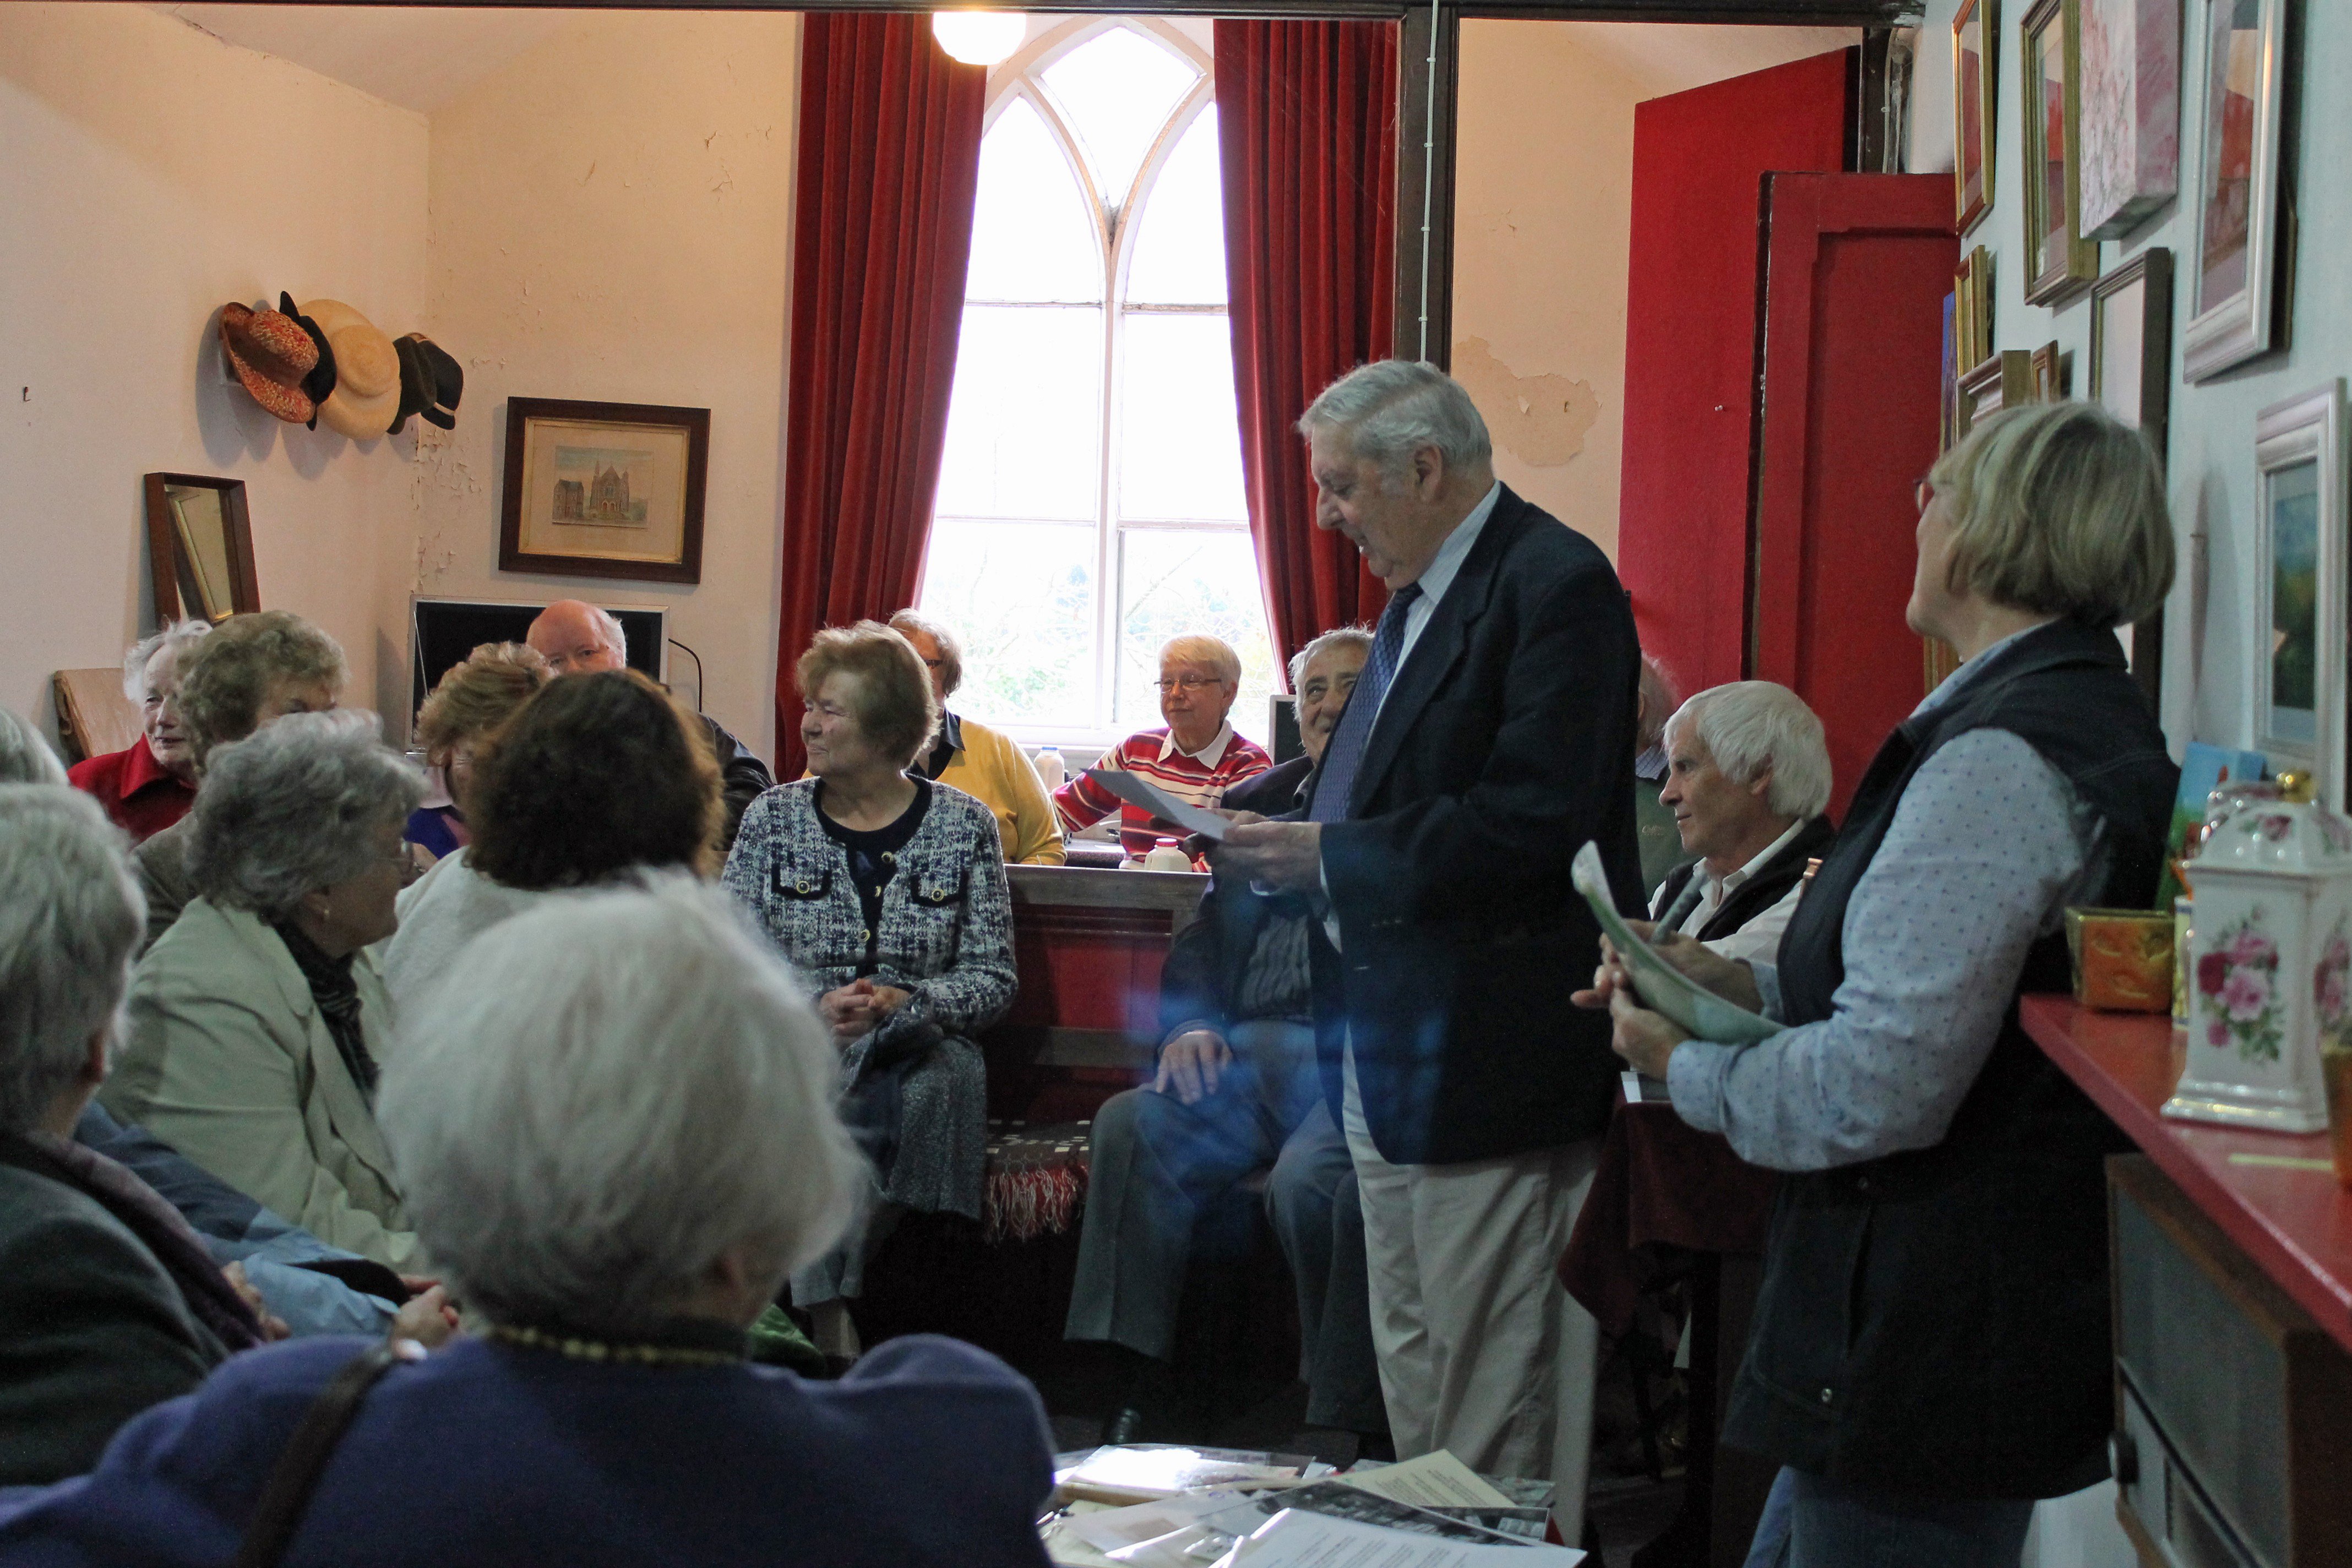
point(1540, 419)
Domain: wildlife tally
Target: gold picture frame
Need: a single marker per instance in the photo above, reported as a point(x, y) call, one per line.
point(1976, 74)
point(2059, 262)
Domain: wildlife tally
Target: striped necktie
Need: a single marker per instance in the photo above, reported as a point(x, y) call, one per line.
point(1337, 779)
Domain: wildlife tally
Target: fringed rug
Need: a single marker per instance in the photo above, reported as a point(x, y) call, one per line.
point(1036, 1179)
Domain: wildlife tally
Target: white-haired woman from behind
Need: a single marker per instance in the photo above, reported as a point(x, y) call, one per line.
point(618, 1159)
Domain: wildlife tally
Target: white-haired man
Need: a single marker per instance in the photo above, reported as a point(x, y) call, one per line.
point(576, 637)
point(1196, 758)
point(1748, 777)
point(1489, 737)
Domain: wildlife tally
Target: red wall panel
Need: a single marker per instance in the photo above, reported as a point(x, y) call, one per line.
point(1690, 346)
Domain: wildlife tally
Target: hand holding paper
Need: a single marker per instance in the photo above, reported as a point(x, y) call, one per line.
point(1138, 790)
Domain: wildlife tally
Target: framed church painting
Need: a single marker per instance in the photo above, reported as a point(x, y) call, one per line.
point(604, 489)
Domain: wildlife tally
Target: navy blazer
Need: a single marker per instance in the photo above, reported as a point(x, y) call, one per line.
point(1506, 743)
point(928, 1453)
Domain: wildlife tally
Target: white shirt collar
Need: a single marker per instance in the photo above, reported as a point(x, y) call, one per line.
point(1208, 756)
point(1733, 881)
point(1447, 563)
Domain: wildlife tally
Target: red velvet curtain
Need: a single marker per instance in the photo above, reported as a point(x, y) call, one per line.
point(1307, 127)
point(889, 160)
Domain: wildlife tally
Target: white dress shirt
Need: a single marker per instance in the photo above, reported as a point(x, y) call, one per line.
point(1759, 939)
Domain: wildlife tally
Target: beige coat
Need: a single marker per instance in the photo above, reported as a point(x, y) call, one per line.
point(231, 1063)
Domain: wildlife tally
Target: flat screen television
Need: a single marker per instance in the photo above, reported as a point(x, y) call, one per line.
point(442, 632)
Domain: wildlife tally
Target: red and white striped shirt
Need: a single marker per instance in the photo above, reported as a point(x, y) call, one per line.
point(1198, 777)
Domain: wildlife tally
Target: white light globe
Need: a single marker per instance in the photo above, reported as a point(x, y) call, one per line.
point(979, 37)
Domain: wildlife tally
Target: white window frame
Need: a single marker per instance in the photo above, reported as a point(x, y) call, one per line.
point(1021, 79)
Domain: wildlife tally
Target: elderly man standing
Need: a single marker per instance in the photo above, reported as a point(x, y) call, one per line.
point(1196, 758)
point(1748, 777)
point(1234, 1087)
point(1490, 736)
point(576, 637)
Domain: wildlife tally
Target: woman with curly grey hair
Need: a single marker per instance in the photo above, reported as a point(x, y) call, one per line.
point(258, 1021)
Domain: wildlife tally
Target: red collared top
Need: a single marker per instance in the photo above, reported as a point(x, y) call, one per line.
point(141, 797)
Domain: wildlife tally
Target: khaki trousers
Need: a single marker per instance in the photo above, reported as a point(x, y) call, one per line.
point(1481, 1351)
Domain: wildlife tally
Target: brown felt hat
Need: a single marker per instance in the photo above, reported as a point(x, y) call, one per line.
point(271, 355)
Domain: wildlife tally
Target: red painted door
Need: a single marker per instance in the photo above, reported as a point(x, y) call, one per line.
point(1855, 270)
point(1690, 346)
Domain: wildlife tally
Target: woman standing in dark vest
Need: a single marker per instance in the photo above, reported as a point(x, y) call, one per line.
point(1930, 1349)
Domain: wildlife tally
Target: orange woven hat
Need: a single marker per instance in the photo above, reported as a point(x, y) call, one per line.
point(271, 355)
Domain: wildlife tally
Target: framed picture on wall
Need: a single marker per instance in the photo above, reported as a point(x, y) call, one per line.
point(2053, 373)
point(2128, 115)
point(2297, 652)
point(604, 489)
point(200, 548)
point(2059, 263)
point(2235, 304)
point(1976, 38)
point(2131, 378)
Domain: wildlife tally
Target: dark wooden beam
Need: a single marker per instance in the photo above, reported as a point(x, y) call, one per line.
point(1424, 209)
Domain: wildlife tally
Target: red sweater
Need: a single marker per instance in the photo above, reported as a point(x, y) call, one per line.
point(1198, 780)
point(141, 797)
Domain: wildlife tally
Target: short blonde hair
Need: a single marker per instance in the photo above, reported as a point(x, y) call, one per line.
point(2058, 509)
point(224, 678)
point(1204, 650)
point(476, 695)
point(894, 703)
point(907, 623)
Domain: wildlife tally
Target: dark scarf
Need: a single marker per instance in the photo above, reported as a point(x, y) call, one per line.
point(337, 997)
point(157, 1225)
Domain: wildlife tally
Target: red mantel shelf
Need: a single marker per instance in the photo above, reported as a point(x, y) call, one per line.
point(2296, 1225)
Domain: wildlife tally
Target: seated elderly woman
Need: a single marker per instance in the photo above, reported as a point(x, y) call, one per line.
point(1748, 777)
point(254, 669)
point(258, 1022)
point(617, 1160)
point(987, 766)
point(471, 702)
point(1196, 757)
point(1946, 1183)
point(887, 892)
point(594, 777)
point(109, 1304)
point(148, 785)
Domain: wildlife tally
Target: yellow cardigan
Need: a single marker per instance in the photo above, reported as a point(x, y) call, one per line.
point(995, 771)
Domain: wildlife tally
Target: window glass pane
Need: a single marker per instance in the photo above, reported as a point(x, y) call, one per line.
point(1119, 89)
point(1021, 596)
point(1180, 250)
point(1023, 419)
point(1180, 581)
point(1180, 436)
point(1032, 237)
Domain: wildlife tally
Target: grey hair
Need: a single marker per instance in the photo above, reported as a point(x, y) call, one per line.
point(296, 807)
point(612, 1091)
point(177, 636)
point(1747, 726)
point(25, 754)
point(1658, 698)
point(907, 623)
point(70, 919)
point(1215, 652)
point(1393, 407)
point(1338, 637)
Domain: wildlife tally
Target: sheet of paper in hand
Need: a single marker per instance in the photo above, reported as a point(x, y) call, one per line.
point(1663, 988)
point(1137, 790)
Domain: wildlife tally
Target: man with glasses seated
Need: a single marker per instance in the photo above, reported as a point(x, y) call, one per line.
point(1196, 758)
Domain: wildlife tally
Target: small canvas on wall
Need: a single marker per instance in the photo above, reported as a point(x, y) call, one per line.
point(1975, 38)
point(2298, 643)
point(2233, 310)
point(604, 490)
point(2130, 112)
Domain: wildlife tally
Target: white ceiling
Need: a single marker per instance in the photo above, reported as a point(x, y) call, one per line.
point(418, 56)
point(1675, 56)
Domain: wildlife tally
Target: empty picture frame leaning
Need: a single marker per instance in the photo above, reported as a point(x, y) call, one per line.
point(2296, 643)
point(2059, 262)
point(1976, 70)
point(200, 548)
point(2131, 378)
point(2237, 306)
point(604, 489)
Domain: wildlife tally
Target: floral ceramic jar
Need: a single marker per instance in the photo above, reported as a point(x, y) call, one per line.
point(2270, 980)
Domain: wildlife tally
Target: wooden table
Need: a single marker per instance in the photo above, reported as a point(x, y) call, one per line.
point(2232, 1256)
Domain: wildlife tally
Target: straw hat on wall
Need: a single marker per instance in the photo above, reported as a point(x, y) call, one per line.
point(367, 371)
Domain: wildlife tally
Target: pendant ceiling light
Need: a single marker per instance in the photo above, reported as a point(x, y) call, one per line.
point(979, 37)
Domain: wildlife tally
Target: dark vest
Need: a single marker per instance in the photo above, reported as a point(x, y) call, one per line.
point(1937, 1321)
point(1761, 892)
